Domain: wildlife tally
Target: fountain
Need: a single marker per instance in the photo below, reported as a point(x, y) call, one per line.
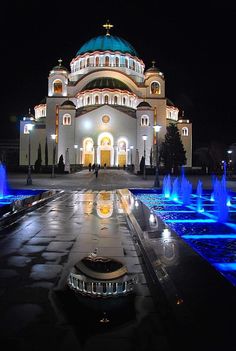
point(3, 181)
point(15, 201)
point(205, 219)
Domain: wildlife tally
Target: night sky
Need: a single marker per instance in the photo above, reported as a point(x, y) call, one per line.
point(192, 45)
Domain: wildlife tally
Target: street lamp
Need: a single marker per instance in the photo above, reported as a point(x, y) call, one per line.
point(131, 152)
point(30, 126)
point(230, 160)
point(157, 129)
point(53, 136)
point(144, 154)
point(81, 151)
point(75, 147)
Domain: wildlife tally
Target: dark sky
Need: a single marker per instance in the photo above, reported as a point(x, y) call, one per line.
point(193, 46)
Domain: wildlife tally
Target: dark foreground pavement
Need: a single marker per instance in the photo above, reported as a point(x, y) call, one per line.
point(176, 305)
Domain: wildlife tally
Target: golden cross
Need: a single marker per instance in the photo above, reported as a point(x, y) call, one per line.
point(153, 63)
point(108, 26)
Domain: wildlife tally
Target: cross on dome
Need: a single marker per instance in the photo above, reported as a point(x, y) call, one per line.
point(60, 62)
point(108, 26)
point(153, 63)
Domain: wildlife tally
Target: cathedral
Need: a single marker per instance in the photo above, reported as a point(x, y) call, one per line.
point(103, 110)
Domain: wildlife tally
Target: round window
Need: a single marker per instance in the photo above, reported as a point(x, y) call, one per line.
point(105, 119)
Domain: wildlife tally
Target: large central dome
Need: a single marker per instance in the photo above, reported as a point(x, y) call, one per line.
point(107, 43)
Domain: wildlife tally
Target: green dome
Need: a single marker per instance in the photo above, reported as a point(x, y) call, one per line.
point(107, 43)
point(105, 82)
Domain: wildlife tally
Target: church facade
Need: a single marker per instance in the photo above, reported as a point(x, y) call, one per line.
point(103, 110)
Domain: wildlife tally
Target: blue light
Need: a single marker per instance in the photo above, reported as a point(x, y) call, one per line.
point(209, 236)
point(228, 266)
point(190, 221)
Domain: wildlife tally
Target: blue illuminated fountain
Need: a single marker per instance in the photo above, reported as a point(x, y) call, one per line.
point(13, 201)
point(205, 219)
point(3, 182)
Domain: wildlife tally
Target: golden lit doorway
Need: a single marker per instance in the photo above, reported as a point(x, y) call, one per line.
point(105, 157)
point(121, 160)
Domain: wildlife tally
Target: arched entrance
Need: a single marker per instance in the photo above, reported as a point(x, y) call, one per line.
point(105, 149)
point(122, 152)
point(88, 151)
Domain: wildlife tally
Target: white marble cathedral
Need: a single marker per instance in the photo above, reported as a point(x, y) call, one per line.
point(102, 108)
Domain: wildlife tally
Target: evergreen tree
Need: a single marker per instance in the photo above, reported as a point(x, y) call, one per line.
point(141, 165)
point(151, 157)
point(172, 152)
point(61, 165)
point(38, 162)
point(46, 152)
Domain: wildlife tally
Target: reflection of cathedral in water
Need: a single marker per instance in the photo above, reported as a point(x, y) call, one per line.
point(104, 206)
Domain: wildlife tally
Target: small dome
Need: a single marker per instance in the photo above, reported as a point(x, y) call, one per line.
point(59, 67)
point(68, 103)
point(107, 43)
point(153, 69)
point(144, 104)
point(105, 82)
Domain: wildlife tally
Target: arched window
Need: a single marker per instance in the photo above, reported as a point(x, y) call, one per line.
point(87, 62)
point(117, 62)
point(145, 121)
point(155, 88)
point(97, 61)
point(66, 121)
point(106, 99)
point(124, 100)
point(57, 86)
point(88, 100)
point(115, 100)
point(107, 61)
point(96, 99)
point(126, 62)
point(185, 131)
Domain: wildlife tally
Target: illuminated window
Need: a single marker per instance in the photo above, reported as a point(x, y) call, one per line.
point(107, 61)
point(106, 99)
point(26, 129)
point(57, 86)
point(97, 61)
point(122, 145)
point(66, 121)
point(117, 61)
point(185, 131)
point(96, 99)
point(155, 88)
point(144, 121)
point(115, 100)
point(87, 62)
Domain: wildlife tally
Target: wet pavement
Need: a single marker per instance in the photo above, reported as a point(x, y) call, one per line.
point(37, 253)
point(178, 302)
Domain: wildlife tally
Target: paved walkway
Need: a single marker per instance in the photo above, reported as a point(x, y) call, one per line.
point(36, 256)
point(38, 251)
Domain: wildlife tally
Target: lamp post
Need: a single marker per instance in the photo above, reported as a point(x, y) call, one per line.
point(75, 147)
point(53, 136)
point(131, 156)
point(230, 161)
point(81, 151)
point(30, 126)
point(144, 154)
point(157, 129)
